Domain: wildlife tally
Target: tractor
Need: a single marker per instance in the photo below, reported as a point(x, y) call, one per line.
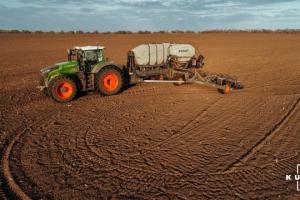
point(87, 69)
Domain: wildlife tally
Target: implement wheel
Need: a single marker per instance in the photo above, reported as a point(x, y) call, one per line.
point(63, 89)
point(226, 90)
point(109, 81)
point(179, 83)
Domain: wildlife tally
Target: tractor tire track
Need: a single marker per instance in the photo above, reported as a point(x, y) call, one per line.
point(28, 97)
point(140, 179)
point(143, 183)
point(182, 132)
point(192, 134)
point(12, 189)
point(268, 136)
point(188, 128)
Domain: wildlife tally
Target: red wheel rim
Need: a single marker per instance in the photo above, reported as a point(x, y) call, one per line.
point(110, 82)
point(64, 90)
point(227, 89)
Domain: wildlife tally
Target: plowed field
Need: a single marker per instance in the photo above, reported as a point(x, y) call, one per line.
point(153, 141)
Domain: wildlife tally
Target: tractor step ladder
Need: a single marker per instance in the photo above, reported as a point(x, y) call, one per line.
point(90, 81)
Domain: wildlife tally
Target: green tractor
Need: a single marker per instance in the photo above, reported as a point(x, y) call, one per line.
point(87, 69)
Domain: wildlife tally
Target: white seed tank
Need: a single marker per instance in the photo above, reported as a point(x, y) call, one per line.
point(157, 54)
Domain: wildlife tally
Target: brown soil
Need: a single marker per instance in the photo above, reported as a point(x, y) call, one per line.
point(154, 141)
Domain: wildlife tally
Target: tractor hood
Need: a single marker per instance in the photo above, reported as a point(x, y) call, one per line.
point(46, 70)
point(67, 65)
point(62, 66)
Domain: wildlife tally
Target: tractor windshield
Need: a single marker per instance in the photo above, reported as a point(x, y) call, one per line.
point(92, 56)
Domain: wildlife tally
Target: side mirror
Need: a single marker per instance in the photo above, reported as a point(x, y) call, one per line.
point(69, 55)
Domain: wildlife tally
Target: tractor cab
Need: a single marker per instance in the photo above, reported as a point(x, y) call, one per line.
point(87, 56)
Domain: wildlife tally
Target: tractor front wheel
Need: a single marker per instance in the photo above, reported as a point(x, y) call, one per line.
point(63, 89)
point(110, 81)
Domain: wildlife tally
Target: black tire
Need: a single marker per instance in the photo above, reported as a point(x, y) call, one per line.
point(63, 83)
point(110, 80)
point(126, 77)
point(239, 86)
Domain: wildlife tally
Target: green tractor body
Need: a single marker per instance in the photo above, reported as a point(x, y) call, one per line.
point(81, 72)
point(69, 68)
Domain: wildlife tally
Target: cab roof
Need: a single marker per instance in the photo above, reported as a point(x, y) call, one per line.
point(85, 48)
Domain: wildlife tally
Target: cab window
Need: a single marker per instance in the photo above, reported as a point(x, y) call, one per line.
point(90, 55)
point(100, 57)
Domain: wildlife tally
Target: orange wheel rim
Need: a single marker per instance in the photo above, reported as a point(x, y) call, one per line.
point(227, 89)
point(64, 90)
point(110, 82)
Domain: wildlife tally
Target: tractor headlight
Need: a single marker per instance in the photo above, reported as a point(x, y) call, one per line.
point(46, 70)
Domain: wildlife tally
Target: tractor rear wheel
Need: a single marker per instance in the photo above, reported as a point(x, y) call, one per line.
point(109, 81)
point(63, 89)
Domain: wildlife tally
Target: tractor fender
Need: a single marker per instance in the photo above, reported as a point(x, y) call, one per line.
point(110, 64)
